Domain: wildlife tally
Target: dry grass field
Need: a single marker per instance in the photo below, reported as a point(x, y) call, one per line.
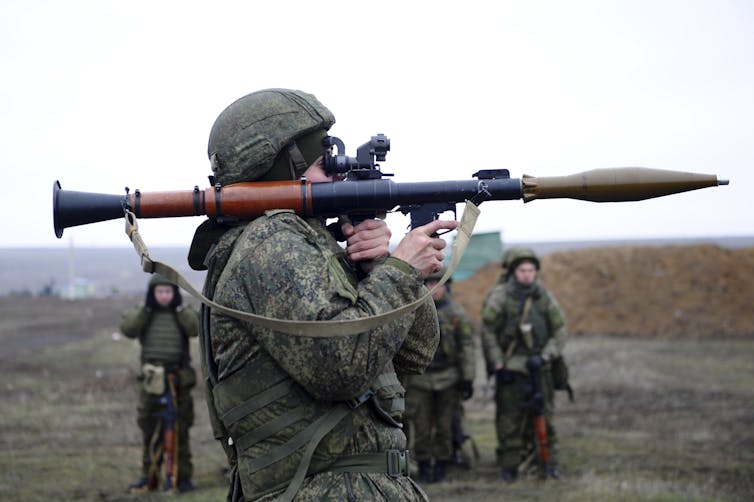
point(655, 418)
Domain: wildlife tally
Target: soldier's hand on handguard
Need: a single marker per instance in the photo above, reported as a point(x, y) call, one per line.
point(367, 241)
point(422, 249)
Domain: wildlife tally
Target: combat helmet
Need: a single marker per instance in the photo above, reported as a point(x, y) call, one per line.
point(272, 134)
point(515, 255)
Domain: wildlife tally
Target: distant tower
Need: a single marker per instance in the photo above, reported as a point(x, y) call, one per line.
point(70, 291)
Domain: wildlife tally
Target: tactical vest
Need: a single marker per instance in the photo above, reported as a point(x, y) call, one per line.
point(277, 434)
point(537, 317)
point(162, 340)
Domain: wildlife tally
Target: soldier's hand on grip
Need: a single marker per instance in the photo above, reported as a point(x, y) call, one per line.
point(422, 249)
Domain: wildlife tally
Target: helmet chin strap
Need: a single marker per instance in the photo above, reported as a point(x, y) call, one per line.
point(296, 161)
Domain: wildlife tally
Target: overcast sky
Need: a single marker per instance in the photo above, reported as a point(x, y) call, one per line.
point(102, 95)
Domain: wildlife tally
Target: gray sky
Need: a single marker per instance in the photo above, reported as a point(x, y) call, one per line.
point(103, 95)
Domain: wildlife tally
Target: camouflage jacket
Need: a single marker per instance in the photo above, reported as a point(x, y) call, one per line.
point(283, 267)
point(501, 317)
point(454, 360)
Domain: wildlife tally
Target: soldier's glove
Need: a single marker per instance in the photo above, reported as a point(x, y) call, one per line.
point(490, 370)
point(534, 363)
point(467, 389)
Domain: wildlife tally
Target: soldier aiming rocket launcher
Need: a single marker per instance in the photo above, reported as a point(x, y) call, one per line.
point(365, 192)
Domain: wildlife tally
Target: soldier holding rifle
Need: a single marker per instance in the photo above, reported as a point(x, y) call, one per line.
point(166, 408)
point(523, 333)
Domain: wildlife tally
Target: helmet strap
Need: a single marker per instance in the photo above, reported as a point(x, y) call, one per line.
point(296, 161)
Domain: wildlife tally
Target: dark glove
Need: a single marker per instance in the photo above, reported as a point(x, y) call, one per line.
point(467, 389)
point(490, 370)
point(534, 363)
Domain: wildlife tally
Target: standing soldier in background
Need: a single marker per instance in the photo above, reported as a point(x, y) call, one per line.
point(163, 328)
point(434, 396)
point(521, 321)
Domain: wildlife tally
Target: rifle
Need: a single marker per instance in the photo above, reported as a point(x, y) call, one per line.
point(365, 192)
point(537, 409)
point(168, 414)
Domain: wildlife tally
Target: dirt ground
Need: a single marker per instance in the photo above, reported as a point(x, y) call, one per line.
point(655, 417)
point(672, 291)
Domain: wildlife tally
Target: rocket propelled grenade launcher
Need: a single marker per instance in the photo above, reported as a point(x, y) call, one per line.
point(365, 192)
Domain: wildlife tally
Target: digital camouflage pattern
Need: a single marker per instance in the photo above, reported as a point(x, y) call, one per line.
point(434, 396)
point(501, 317)
point(284, 267)
point(248, 136)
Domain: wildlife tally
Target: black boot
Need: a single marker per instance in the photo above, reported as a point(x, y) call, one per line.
point(141, 485)
point(186, 485)
point(552, 472)
point(509, 475)
point(425, 475)
point(440, 471)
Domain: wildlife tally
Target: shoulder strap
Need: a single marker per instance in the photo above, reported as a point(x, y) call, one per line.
point(305, 328)
point(524, 316)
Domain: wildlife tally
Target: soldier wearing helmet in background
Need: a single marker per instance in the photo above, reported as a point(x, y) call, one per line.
point(163, 328)
point(521, 320)
point(318, 418)
point(435, 396)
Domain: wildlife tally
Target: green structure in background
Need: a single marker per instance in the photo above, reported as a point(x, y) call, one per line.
point(482, 249)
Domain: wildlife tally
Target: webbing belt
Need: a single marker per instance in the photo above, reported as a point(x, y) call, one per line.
point(306, 328)
point(395, 463)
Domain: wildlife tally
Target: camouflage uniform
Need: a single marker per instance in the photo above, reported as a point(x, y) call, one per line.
point(503, 341)
point(164, 334)
point(319, 416)
point(435, 396)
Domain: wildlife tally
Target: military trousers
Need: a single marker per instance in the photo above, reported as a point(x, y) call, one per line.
point(514, 419)
point(151, 424)
point(432, 414)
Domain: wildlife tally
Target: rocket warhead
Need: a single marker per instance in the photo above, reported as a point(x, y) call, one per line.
point(615, 184)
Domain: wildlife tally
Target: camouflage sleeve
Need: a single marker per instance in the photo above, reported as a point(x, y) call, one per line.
point(134, 321)
point(290, 277)
point(189, 321)
point(493, 321)
point(465, 334)
point(419, 347)
point(557, 324)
